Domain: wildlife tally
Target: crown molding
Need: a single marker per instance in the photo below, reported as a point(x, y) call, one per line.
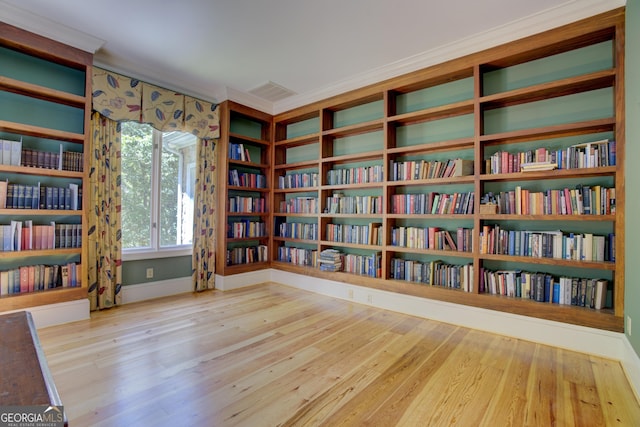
point(249, 100)
point(42, 26)
point(545, 20)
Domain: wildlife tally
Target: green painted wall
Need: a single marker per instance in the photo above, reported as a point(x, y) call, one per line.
point(632, 226)
point(134, 272)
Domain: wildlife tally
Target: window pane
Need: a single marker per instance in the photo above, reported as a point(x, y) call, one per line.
point(137, 155)
point(176, 188)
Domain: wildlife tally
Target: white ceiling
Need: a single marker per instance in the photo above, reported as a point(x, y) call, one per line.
point(222, 49)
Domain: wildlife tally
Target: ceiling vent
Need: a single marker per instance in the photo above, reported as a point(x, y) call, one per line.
point(272, 92)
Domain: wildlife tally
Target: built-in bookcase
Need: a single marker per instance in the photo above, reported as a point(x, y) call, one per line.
point(436, 183)
point(45, 104)
point(244, 189)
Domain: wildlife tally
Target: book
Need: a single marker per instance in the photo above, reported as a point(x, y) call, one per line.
point(6, 152)
point(24, 279)
point(4, 283)
point(16, 152)
point(462, 167)
point(600, 298)
point(3, 193)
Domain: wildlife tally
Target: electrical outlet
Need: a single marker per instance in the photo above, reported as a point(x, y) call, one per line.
point(350, 293)
point(149, 273)
point(629, 325)
point(370, 299)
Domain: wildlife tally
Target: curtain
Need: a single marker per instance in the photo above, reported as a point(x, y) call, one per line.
point(119, 98)
point(103, 214)
point(204, 236)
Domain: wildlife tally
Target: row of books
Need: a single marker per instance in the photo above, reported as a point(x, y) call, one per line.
point(240, 204)
point(582, 200)
point(245, 228)
point(20, 196)
point(25, 236)
point(245, 179)
point(298, 230)
point(370, 234)
point(12, 153)
point(64, 160)
point(544, 287)
point(424, 169)
point(339, 203)
point(33, 278)
point(300, 204)
point(330, 260)
point(364, 265)
point(357, 175)
point(239, 152)
point(298, 256)
point(432, 203)
point(247, 255)
point(586, 155)
point(434, 273)
point(547, 244)
point(432, 238)
point(298, 180)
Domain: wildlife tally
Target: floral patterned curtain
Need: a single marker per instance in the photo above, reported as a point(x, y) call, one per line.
point(161, 108)
point(203, 260)
point(121, 98)
point(103, 214)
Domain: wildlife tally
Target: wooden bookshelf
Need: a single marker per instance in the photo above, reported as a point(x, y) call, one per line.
point(251, 129)
point(57, 79)
point(553, 90)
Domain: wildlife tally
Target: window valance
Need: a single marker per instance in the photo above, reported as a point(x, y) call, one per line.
point(122, 98)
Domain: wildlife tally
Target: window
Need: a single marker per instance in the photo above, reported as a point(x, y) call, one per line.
point(158, 177)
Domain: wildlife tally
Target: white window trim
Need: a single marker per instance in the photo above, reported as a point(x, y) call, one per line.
point(140, 254)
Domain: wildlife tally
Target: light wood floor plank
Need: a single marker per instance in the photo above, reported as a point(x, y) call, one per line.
point(271, 355)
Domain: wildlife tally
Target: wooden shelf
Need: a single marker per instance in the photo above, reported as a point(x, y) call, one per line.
point(469, 179)
point(564, 87)
point(249, 189)
point(40, 212)
point(40, 92)
point(40, 132)
point(49, 296)
point(514, 217)
point(434, 113)
point(547, 132)
point(552, 174)
point(39, 253)
point(27, 170)
point(434, 147)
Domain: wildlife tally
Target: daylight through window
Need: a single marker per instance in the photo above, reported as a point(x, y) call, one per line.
point(157, 188)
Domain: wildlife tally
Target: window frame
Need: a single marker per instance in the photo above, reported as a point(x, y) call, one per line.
point(155, 250)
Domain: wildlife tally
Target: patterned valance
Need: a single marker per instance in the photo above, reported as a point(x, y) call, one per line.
point(122, 98)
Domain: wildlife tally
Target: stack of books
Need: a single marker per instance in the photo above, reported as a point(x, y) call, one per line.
point(330, 260)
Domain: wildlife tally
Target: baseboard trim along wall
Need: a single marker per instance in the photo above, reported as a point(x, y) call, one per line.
point(160, 288)
point(227, 283)
point(59, 313)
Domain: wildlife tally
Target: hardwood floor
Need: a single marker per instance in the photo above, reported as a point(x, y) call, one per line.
point(271, 355)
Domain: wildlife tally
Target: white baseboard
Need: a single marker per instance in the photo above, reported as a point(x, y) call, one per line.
point(59, 313)
point(593, 341)
point(161, 288)
point(235, 281)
